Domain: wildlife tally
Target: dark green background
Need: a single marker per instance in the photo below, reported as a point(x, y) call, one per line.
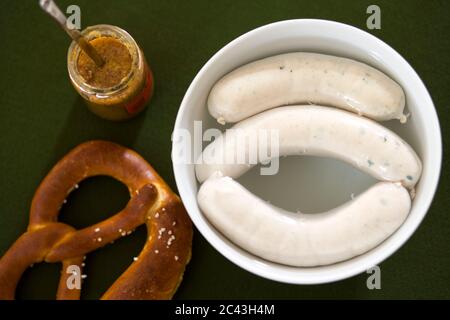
point(41, 118)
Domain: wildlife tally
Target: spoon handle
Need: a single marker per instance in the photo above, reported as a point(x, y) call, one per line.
point(55, 12)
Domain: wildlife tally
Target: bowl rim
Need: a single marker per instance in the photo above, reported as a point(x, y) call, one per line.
point(252, 265)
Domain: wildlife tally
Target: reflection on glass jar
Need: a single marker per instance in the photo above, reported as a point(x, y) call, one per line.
point(120, 88)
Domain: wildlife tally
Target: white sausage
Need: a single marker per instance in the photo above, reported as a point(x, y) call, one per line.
point(303, 239)
point(300, 78)
point(322, 131)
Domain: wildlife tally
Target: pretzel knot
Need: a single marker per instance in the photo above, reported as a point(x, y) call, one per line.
point(157, 271)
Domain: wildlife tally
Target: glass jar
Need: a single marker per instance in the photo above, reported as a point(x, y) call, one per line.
point(121, 90)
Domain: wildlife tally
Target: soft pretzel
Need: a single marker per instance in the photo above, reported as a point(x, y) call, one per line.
point(155, 273)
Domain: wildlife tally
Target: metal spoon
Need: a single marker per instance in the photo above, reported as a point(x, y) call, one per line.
point(53, 10)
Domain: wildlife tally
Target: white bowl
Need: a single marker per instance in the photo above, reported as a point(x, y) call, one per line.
point(305, 175)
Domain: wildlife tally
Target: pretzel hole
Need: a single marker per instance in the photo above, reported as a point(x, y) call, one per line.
point(96, 199)
point(105, 265)
point(39, 282)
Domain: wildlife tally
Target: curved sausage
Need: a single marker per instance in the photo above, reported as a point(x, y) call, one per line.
point(301, 78)
point(298, 239)
point(321, 131)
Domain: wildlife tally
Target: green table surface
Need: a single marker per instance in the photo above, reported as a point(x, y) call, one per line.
point(42, 117)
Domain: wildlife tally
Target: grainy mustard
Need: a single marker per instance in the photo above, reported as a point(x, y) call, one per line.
point(120, 88)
